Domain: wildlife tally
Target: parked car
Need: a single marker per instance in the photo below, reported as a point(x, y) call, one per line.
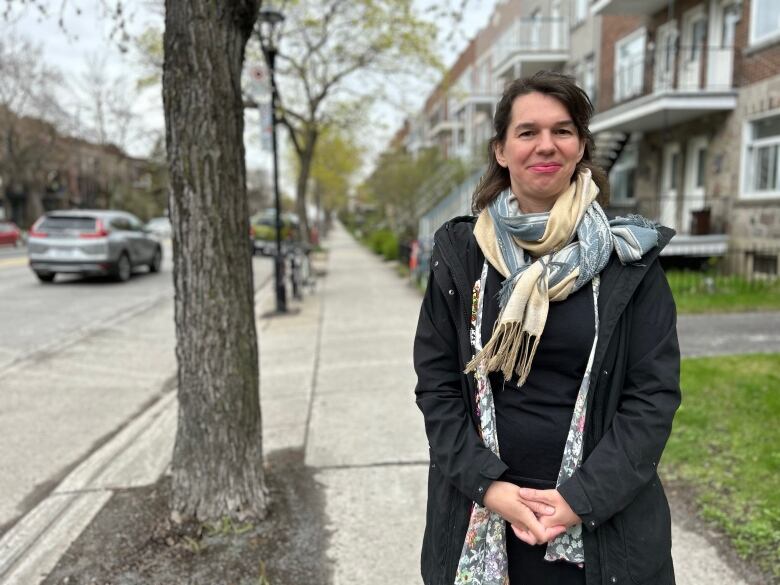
point(10, 234)
point(160, 226)
point(264, 231)
point(91, 242)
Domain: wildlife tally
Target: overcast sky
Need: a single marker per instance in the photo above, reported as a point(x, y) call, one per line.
point(87, 37)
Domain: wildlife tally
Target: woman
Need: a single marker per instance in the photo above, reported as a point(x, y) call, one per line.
point(548, 367)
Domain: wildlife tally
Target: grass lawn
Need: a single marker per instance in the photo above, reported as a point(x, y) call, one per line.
point(726, 445)
point(697, 292)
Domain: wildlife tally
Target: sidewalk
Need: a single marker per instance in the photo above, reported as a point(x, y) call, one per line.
point(336, 381)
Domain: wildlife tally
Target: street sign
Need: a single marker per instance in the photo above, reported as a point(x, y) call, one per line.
point(258, 79)
point(266, 126)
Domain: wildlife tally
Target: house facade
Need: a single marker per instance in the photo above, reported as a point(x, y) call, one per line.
point(694, 87)
point(687, 100)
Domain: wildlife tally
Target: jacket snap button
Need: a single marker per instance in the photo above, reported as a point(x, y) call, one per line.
point(605, 372)
point(435, 264)
point(592, 523)
point(433, 466)
point(613, 579)
point(452, 292)
point(480, 489)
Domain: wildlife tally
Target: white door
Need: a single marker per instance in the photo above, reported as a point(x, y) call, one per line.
point(694, 34)
point(556, 32)
point(695, 173)
point(669, 185)
point(720, 58)
point(665, 55)
point(536, 30)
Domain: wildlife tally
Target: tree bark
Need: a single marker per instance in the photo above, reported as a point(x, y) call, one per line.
point(217, 459)
point(306, 159)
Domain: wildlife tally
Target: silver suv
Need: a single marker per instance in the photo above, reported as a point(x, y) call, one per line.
point(91, 242)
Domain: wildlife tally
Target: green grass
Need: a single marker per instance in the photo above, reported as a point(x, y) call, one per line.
point(698, 292)
point(725, 444)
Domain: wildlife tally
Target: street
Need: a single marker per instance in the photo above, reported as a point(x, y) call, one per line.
point(79, 359)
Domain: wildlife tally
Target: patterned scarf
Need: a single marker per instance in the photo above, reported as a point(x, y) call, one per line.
point(571, 243)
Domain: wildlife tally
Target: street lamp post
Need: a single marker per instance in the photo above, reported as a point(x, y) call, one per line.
point(271, 18)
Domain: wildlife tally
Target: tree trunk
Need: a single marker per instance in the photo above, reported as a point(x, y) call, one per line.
point(218, 458)
point(306, 159)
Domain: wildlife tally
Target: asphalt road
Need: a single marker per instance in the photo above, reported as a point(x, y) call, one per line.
point(36, 317)
point(79, 359)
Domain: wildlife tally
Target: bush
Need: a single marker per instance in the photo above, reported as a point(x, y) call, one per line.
point(383, 242)
point(390, 247)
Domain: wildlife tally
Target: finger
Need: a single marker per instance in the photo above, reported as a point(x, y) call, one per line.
point(555, 531)
point(536, 495)
point(539, 508)
point(552, 520)
point(524, 535)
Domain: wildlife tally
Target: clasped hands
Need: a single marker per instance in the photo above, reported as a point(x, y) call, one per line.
point(536, 516)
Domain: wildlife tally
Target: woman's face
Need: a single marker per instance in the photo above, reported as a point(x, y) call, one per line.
point(540, 150)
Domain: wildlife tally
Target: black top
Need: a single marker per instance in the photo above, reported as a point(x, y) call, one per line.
point(533, 421)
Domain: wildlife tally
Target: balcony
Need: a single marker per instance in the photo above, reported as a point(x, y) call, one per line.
point(670, 87)
point(443, 125)
point(530, 45)
point(635, 7)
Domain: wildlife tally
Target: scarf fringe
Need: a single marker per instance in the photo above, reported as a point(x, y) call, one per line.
point(510, 351)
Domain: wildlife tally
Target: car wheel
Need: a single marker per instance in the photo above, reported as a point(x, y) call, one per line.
point(123, 269)
point(156, 261)
point(46, 276)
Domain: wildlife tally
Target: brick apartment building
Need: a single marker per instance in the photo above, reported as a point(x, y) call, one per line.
point(693, 86)
point(42, 170)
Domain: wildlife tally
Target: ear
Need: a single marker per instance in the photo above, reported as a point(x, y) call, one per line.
point(582, 151)
point(498, 150)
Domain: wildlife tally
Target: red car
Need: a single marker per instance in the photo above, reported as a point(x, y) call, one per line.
point(10, 234)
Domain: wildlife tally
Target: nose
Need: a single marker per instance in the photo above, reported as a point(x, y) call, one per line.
point(545, 143)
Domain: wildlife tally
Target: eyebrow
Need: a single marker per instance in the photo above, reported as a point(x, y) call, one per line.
point(526, 125)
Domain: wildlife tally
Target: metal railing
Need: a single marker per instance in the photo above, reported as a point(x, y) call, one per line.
point(532, 35)
point(684, 69)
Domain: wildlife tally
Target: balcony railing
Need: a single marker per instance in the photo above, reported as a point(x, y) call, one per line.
point(533, 35)
point(680, 69)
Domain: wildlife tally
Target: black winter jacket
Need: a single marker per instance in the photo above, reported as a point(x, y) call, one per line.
point(633, 396)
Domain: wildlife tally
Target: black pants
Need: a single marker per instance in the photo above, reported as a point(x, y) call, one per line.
point(528, 567)
point(526, 563)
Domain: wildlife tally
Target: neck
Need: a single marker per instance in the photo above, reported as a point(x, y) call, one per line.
point(527, 205)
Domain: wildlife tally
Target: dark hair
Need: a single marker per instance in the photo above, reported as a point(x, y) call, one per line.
point(574, 99)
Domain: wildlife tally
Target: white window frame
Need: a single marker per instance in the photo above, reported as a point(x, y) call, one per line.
point(629, 38)
point(629, 159)
point(766, 39)
point(746, 165)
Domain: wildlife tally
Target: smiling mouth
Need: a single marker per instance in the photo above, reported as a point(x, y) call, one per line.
point(545, 168)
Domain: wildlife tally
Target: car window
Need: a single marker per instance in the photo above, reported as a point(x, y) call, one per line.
point(120, 223)
point(5, 227)
point(62, 223)
point(135, 223)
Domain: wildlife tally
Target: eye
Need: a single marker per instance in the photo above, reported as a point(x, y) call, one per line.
point(526, 134)
point(564, 131)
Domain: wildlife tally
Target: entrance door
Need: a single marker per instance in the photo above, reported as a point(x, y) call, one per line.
point(556, 34)
point(694, 33)
point(720, 58)
point(695, 172)
point(669, 185)
point(665, 57)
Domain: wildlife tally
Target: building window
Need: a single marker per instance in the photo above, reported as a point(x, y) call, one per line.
point(630, 65)
point(623, 175)
point(764, 20)
point(579, 9)
point(763, 156)
point(589, 77)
